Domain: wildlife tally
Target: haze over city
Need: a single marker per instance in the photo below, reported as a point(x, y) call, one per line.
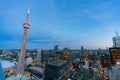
point(68, 23)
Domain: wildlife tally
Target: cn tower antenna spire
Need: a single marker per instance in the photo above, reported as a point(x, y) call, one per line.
point(28, 12)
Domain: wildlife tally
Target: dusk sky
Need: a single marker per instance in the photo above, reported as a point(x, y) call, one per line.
point(68, 23)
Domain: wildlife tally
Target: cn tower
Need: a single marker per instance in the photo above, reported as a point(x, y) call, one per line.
point(20, 67)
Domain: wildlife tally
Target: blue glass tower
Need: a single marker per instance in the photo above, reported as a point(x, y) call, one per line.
point(2, 77)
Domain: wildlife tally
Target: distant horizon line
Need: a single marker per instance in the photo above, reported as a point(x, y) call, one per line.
point(60, 48)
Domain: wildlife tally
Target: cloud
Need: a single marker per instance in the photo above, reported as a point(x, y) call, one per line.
point(62, 40)
point(103, 5)
point(43, 40)
point(101, 11)
point(49, 40)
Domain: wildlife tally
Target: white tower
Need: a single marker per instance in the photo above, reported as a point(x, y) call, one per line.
point(39, 55)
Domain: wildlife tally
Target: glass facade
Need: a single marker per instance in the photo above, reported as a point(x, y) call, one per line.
point(2, 77)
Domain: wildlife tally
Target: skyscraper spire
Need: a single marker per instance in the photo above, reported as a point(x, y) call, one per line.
point(117, 34)
point(20, 68)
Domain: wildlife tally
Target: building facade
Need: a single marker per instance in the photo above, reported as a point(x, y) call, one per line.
point(55, 70)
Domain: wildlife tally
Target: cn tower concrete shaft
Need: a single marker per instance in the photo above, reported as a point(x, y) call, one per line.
point(20, 67)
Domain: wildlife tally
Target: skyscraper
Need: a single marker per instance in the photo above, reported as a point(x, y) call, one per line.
point(20, 68)
point(116, 40)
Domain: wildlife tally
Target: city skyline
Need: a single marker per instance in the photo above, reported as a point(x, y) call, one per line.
point(67, 23)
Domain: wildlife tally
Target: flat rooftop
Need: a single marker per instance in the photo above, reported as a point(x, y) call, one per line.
point(58, 62)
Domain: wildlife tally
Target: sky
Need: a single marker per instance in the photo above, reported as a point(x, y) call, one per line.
point(67, 23)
